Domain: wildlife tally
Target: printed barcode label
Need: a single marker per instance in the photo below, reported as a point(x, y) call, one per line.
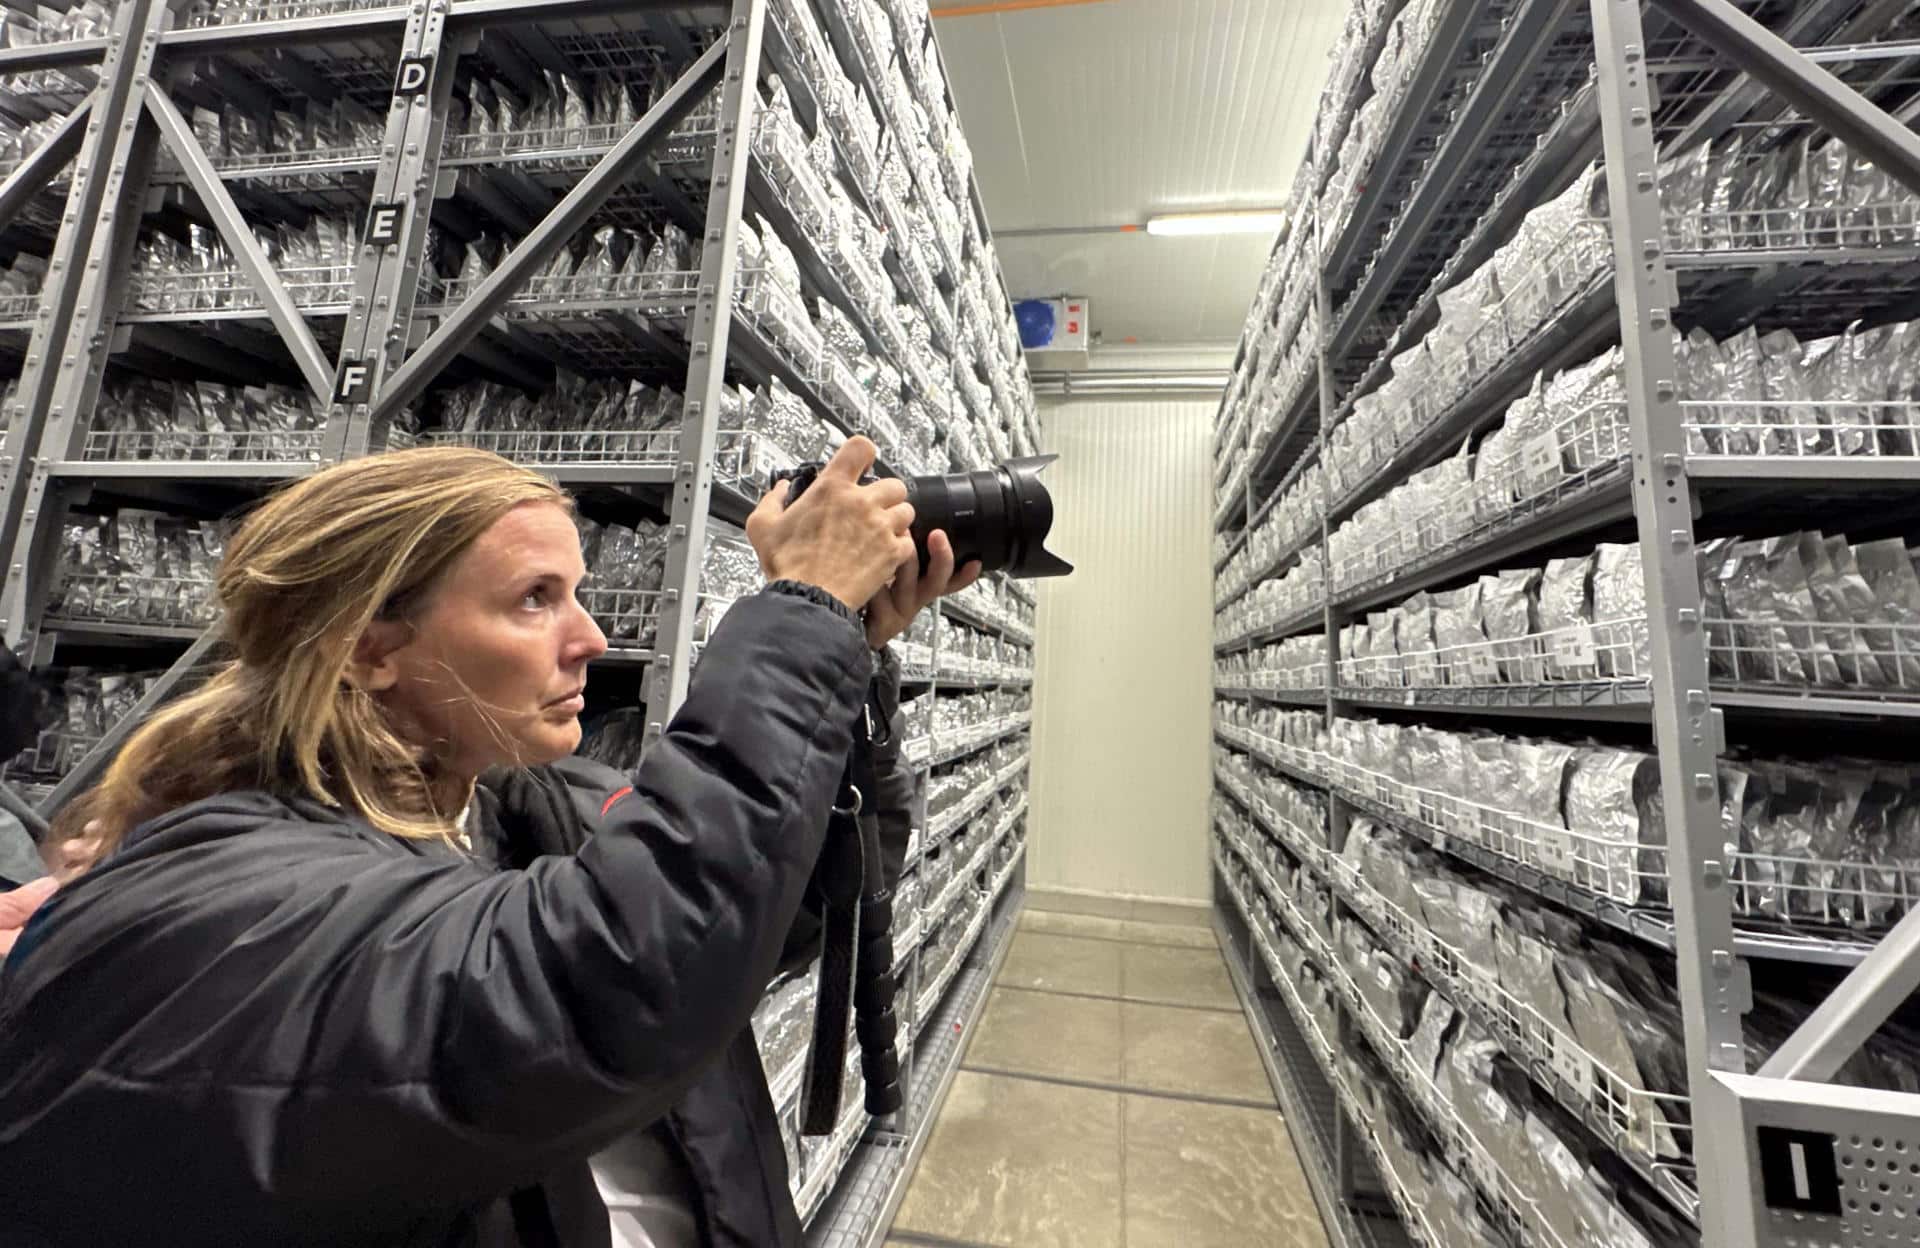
point(1543, 456)
point(1572, 1065)
point(1556, 851)
point(1573, 647)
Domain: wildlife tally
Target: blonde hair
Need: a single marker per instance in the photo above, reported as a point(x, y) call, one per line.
point(302, 579)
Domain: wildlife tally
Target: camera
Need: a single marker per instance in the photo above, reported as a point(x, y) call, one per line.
point(999, 516)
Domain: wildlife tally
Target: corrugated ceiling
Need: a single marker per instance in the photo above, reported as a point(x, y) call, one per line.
point(1107, 112)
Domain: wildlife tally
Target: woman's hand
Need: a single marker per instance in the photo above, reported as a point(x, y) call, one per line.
point(842, 536)
point(18, 906)
point(892, 609)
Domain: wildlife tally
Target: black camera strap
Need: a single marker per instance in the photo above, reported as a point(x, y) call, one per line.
point(856, 960)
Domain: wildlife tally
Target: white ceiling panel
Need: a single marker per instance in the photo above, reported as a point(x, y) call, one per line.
point(1149, 290)
point(1107, 112)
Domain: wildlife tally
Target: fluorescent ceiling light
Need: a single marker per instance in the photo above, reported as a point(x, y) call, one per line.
point(1255, 221)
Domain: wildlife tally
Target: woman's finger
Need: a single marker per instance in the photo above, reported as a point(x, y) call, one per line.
point(772, 503)
point(852, 461)
point(968, 575)
point(905, 591)
point(939, 566)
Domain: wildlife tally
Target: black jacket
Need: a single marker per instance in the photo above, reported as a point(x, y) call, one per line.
point(263, 1022)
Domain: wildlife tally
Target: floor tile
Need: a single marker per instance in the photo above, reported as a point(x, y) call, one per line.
point(1145, 933)
point(1173, 913)
point(1177, 977)
point(1017, 1162)
point(1043, 1034)
point(1063, 924)
point(1062, 964)
point(1214, 1176)
point(1202, 1052)
point(1079, 903)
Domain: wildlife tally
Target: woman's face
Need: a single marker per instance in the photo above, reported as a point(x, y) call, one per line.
point(492, 669)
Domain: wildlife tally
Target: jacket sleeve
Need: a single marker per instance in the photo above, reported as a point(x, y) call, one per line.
point(896, 791)
point(484, 1028)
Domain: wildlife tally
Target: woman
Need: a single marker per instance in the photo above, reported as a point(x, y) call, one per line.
point(327, 986)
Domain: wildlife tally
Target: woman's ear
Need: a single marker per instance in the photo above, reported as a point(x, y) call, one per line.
point(373, 666)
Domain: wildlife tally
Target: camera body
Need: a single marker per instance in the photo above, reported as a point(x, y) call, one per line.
point(998, 517)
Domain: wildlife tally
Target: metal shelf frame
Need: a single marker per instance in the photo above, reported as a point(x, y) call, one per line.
point(1817, 67)
point(375, 339)
point(1663, 480)
point(367, 337)
point(1319, 1110)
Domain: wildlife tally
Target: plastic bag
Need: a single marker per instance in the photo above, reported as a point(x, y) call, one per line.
point(1869, 361)
point(1896, 589)
point(1783, 839)
point(1430, 1035)
point(1683, 191)
point(1566, 614)
point(1489, 1094)
point(1844, 602)
point(1506, 603)
point(1609, 806)
point(1771, 605)
point(1620, 611)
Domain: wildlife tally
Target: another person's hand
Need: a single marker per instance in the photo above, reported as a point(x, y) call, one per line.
point(842, 536)
point(17, 907)
point(892, 609)
point(73, 857)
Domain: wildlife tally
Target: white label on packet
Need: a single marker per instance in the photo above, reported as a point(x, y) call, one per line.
point(1543, 457)
point(1571, 1063)
point(1573, 647)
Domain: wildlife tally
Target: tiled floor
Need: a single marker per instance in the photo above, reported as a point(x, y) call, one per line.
point(1111, 1097)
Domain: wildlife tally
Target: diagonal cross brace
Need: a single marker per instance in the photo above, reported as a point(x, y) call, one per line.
point(186, 672)
point(35, 173)
point(554, 232)
point(1789, 73)
point(1854, 1010)
point(23, 810)
point(178, 136)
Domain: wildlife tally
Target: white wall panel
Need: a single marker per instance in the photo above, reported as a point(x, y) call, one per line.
point(1121, 739)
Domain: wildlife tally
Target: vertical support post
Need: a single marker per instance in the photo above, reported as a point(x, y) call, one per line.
point(1347, 1148)
point(707, 371)
point(1349, 1152)
point(73, 324)
point(393, 239)
point(1685, 730)
point(1322, 331)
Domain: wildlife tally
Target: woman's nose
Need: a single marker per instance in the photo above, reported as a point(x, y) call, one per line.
point(589, 640)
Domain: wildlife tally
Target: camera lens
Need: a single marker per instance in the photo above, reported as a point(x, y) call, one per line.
point(999, 516)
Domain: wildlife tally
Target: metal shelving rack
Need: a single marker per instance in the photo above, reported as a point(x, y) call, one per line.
point(1502, 108)
point(363, 337)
